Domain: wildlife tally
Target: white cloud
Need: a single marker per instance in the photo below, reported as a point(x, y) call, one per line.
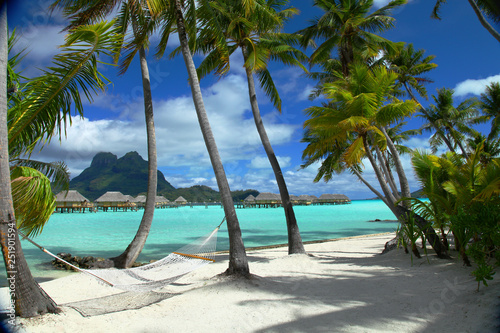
point(261, 162)
point(475, 87)
point(304, 95)
point(40, 41)
point(179, 139)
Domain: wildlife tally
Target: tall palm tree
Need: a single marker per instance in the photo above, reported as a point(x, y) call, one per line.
point(451, 124)
point(348, 26)
point(17, 269)
point(482, 8)
point(132, 14)
point(238, 262)
point(410, 65)
point(45, 107)
point(490, 108)
point(354, 125)
point(257, 34)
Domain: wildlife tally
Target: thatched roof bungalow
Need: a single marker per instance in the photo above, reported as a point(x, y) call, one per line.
point(114, 200)
point(162, 202)
point(267, 197)
point(305, 199)
point(72, 200)
point(333, 199)
point(249, 199)
point(140, 201)
point(180, 201)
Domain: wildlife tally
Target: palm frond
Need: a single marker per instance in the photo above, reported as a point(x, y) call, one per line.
point(50, 98)
point(33, 199)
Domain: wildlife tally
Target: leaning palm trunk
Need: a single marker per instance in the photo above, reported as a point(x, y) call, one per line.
point(483, 20)
point(238, 263)
point(27, 297)
point(127, 258)
point(294, 239)
point(402, 212)
point(403, 181)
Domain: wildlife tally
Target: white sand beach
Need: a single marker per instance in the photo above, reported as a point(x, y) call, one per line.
point(342, 286)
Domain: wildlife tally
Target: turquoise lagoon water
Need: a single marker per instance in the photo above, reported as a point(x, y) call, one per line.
point(107, 234)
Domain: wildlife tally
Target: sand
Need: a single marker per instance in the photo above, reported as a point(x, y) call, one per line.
point(341, 286)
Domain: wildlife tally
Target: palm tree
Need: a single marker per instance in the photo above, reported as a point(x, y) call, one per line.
point(353, 125)
point(450, 123)
point(18, 273)
point(44, 108)
point(238, 263)
point(490, 108)
point(348, 26)
point(256, 33)
point(489, 8)
point(132, 13)
point(410, 65)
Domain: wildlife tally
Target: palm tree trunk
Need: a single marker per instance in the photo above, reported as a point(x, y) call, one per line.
point(483, 21)
point(127, 258)
point(238, 263)
point(380, 177)
point(403, 181)
point(401, 212)
point(388, 177)
point(364, 181)
point(428, 230)
point(294, 239)
point(28, 299)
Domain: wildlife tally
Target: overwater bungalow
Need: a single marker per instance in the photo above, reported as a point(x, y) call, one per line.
point(114, 201)
point(333, 199)
point(162, 202)
point(180, 201)
point(247, 202)
point(71, 201)
point(267, 200)
point(140, 201)
point(306, 200)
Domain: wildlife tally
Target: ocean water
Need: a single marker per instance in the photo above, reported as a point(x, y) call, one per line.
point(107, 234)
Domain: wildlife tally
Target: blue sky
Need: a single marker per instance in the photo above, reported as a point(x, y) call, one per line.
point(466, 54)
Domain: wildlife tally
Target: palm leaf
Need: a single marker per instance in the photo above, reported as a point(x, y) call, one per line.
point(50, 98)
point(33, 199)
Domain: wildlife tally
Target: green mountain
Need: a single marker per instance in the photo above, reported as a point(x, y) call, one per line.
point(128, 174)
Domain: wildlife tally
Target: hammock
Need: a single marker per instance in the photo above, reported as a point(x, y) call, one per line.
point(155, 275)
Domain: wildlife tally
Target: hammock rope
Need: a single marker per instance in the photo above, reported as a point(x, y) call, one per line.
point(154, 275)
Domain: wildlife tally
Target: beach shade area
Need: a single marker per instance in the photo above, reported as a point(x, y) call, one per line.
point(115, 201)
point(342, 286)
point(72, 201)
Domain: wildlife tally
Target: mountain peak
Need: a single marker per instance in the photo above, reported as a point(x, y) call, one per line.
point(103, 159)
point(127, 174)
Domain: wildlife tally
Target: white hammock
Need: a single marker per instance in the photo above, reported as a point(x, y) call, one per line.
point(155, 275)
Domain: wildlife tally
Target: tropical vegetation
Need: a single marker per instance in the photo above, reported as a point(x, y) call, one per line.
point(361, 122)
